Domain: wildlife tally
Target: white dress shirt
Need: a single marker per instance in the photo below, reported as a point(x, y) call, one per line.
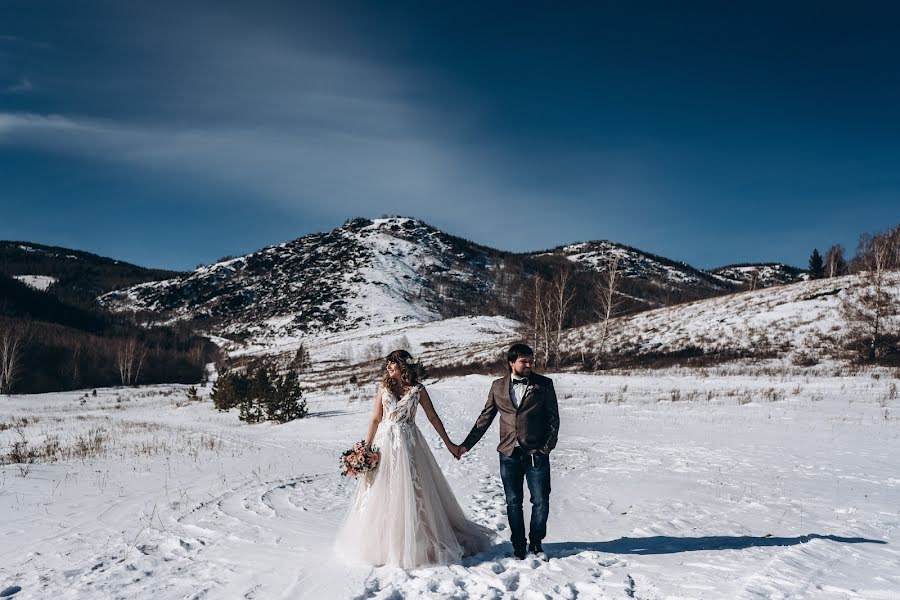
point(514, 398)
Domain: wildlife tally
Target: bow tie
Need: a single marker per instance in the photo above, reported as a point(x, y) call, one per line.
point(518, 381)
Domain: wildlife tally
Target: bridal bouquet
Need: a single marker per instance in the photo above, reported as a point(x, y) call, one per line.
point(359, 459)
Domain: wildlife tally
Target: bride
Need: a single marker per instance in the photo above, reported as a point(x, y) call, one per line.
point(404, 513)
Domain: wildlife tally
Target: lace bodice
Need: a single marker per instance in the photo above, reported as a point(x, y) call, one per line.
point(400, 410)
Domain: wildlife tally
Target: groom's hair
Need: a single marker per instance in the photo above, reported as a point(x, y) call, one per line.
point(517, 351)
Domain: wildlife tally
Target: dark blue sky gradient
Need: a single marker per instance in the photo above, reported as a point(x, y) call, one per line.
point(175, 133)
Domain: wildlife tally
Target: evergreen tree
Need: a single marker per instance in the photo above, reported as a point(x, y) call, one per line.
point(261, 396)
point(260, 393)
point(301, 361)
point(288, 403)
point(225, 391)
point(816, 265)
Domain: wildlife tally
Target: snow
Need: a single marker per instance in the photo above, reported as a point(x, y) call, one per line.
point(393, 271)
point(766, 274)
point(40, 282)
point(788, 320)
point(670, 484)
point(435, 339)
point(635, 264)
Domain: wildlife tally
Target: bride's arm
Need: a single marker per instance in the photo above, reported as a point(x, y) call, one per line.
point(376, 418)
point(434, 419)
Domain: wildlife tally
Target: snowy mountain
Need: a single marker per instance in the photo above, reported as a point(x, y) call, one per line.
point(753, 276)
point(400, 271)
point(655, 280)
point(364, 274)
point(71, 275)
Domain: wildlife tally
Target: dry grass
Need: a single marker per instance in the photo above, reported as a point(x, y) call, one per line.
point(108, 440)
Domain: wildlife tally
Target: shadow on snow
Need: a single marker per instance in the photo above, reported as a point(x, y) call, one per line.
point(664, 544)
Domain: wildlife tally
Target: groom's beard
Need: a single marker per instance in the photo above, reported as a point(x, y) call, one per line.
point(521, 374)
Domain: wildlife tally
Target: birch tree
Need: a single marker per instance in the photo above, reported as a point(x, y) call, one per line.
point(12, 341)
point(130, 355)
point(607, 298)
point(561, 296)
point(870, 309)
point(835, 264)
point(540, 318)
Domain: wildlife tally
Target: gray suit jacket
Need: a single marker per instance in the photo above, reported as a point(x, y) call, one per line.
point(534, 423)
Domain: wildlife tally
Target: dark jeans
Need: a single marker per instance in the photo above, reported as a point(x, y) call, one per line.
point(513, 469)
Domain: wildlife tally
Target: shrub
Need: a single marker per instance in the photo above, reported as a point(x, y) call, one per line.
point(259, 396)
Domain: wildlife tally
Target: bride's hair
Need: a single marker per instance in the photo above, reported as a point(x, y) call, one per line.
point(410, 372)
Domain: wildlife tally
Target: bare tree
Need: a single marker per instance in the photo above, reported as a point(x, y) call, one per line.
point(540, 318)
point(892, 238)
point(76, 355)
point(870, 310)
point(881, 250)
point(551, 303)
point(561, 297)
point(835, 263)
point(12, 341)
point(197, 353)
point(130, 354)
point(753, 282)
point(608, 299)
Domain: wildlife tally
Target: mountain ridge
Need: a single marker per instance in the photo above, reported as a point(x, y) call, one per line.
point(395, 270)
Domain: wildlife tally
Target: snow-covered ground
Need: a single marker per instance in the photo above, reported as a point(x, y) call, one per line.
point(672, 484)
point(446, 337)
point(38, 282)
point(791, 321)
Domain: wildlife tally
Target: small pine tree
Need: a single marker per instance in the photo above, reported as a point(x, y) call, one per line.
point(301, 361)
point(816, 265)
point(225, 391)
point(287, 403)
point(260, 393)
point(192, 394)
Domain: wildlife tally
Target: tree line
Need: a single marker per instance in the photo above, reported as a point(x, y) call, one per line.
point(47, 344)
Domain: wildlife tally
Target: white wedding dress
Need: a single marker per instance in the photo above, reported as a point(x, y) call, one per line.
point(404, 513)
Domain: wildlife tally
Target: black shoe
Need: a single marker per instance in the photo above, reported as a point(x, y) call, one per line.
point(519, 553)
point(535, 548)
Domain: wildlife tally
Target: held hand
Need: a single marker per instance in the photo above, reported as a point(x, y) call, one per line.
point(460, 450)
point(453, 448)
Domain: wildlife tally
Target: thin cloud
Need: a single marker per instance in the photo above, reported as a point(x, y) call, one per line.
point(350, 169)
point(297, 122)
point(24, 86)
point(289, 123)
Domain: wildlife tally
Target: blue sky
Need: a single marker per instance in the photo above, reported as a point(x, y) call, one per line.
point(171, 134)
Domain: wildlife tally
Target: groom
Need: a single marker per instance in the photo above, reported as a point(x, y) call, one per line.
point(529, 425)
